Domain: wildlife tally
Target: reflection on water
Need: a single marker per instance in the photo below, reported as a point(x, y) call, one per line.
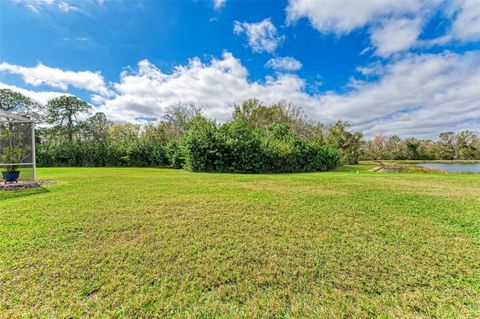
point(453, 167)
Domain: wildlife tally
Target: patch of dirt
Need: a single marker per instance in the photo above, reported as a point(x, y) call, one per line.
point(23, 185)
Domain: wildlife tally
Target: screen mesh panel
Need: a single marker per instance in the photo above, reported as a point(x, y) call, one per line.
point(17, 147)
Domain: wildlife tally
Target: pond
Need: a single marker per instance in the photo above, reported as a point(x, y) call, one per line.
point(453, 167)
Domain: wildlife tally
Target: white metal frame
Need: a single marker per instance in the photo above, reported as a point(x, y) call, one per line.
point(8, 117)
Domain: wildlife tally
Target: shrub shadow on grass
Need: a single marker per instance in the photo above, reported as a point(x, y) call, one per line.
point(9, 194)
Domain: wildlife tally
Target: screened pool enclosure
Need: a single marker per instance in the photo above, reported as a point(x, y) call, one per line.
point(17, 148)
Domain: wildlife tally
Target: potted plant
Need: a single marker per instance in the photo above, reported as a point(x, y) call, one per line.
point(13, 153)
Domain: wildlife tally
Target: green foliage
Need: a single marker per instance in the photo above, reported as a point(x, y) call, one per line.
point(204, 147)
point(18, 103)
point(259, 139)
point(175, 154)
point(262, 117)
point(232, 147)
point(325, 157)
point(143, 154)
point(235, 147)
point(348, 143)
point(13, 150)
point(63, 112)
point(97, 128)
point(178, 118)
point(244, 148)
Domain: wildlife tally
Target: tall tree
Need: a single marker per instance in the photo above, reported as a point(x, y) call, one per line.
point(18, 103)
point(125, 133)
point(63, 112)
point(259, 116)
point(348, 143)
point(447, 141)
point(378, 146)
point(178, 118)
point(245, 111)
point(97, 127)
point(393, 147)
point(466, 145)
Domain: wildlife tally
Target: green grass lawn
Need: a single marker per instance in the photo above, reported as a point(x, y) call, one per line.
point(141, 243)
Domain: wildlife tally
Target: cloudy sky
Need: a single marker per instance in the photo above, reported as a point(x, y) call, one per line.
point(410, 68)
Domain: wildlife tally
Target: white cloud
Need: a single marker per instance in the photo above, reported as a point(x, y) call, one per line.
point(373, 69)
point(38, 5)
point(342, 17)
point(284, 64)
point(395, 35)
point(41, 97)
point(466, 25)
point(65, 7)
point(54, 77)
point(219, 3)
point(262, 36)
point(217, 85)
point(394, 26)
point(419, 95)
point(365, 51)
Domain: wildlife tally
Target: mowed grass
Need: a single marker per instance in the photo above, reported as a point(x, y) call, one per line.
point(145, 243)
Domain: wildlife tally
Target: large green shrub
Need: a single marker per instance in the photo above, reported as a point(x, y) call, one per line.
point(204, 147)
point(243, 148)
point(259, 139)
point(235, 147)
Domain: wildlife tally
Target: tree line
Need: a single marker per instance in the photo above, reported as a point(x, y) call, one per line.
point(463, 145)
point(258, 138)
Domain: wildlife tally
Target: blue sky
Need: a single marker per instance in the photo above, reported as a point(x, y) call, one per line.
point(407, 68)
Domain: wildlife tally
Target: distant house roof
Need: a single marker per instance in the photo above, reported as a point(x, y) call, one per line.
point(6, 116)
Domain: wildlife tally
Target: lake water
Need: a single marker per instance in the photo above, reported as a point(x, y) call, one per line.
point(453, 167)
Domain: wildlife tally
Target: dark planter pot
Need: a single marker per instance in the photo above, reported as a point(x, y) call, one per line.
point(10, 177)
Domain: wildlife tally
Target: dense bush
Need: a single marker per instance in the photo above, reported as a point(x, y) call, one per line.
point(243, 147)
point(237, 148)
point(258, 139)
point(233, 147)
point(79, 154)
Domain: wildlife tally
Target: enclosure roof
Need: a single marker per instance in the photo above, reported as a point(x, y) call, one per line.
point(11, 117)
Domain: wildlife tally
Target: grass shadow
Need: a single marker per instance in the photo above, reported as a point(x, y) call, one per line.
point(10, 194)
